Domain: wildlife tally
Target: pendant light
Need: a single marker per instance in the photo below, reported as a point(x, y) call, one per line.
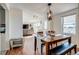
point(49, 13)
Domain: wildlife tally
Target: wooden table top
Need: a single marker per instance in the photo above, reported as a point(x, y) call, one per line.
point(57, 38)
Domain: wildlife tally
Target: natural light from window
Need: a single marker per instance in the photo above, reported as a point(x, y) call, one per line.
point(69, 24)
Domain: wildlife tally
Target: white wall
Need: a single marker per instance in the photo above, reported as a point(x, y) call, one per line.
point(78, 26)
point(15, 23)
point(30, 16)
point(57, 24)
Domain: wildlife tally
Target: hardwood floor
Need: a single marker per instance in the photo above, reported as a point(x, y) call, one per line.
point(27, 49)
point(15, 51)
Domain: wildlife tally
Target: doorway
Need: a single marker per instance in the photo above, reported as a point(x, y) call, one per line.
point(2, 30)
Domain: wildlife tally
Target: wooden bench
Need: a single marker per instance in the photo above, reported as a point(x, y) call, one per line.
point(62, 49)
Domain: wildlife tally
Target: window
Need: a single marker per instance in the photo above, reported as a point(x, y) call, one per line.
point(69, 24)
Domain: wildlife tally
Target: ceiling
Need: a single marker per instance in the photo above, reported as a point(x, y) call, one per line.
point(43, 8)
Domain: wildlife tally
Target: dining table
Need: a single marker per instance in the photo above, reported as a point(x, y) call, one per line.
point(55, 39)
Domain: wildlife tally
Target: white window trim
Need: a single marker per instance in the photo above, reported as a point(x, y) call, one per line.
point(62, 22)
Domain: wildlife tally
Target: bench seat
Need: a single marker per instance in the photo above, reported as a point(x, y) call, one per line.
point(62, 49)
point(77, 53)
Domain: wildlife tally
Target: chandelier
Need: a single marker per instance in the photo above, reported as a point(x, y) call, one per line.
point(49, 13)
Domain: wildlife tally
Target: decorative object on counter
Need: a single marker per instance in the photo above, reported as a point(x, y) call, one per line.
point(51, 33)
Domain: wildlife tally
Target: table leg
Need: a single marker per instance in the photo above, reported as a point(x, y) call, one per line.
point(75, 49)
point(47, 48)
point(69, 40)
point(35, 44)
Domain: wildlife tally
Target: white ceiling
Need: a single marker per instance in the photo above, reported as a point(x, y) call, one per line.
point(42, 7)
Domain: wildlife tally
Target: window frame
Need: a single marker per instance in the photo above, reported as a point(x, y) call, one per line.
point(62, 21)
